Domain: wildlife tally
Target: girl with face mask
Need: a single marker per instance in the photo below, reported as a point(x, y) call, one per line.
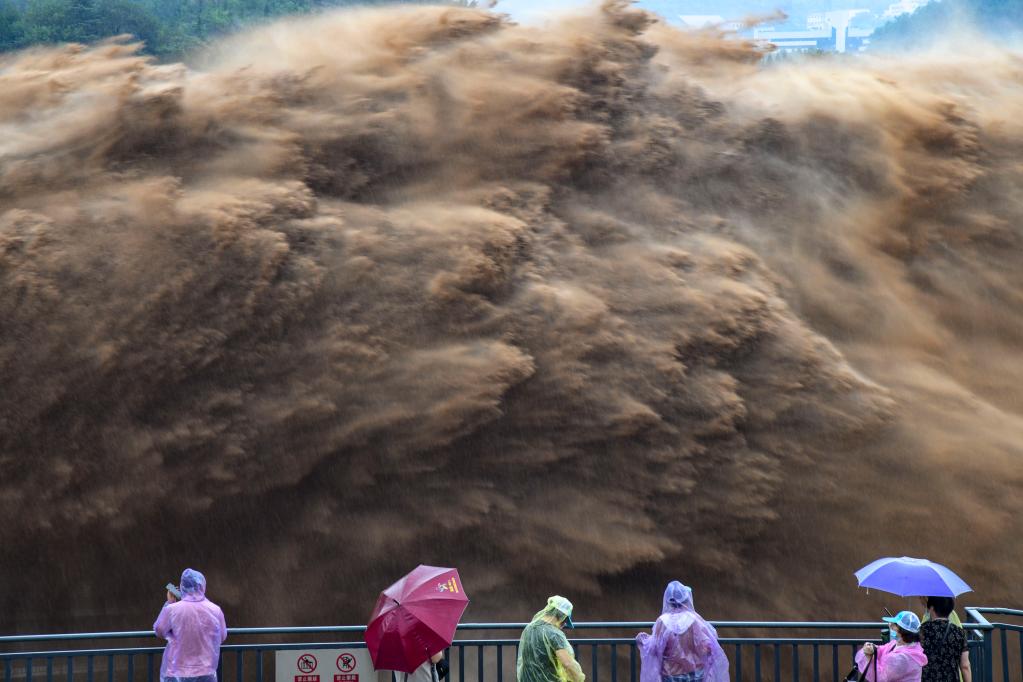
point(900, 660)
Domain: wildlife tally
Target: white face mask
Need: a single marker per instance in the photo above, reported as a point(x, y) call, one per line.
point(894, 635)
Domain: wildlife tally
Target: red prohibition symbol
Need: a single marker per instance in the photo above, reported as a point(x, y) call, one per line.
point(346, 663)
point(306, 663)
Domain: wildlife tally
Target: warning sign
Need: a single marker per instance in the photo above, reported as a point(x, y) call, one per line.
point(306, 663)
point(346, 663)
point(350, 665)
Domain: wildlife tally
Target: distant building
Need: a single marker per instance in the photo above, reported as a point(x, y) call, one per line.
point(825, 32)
point(816, 21)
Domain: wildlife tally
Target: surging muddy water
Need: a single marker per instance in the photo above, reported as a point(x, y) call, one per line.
point(576, 309)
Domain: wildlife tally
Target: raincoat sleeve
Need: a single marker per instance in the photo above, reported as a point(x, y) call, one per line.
point(571, 668)
point(555, 641)
point(223, 625)
point(162, 626)
point(651, 652)
point(864, 663)
point(715, 662)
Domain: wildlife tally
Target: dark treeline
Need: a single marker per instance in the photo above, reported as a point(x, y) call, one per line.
point(169, 28)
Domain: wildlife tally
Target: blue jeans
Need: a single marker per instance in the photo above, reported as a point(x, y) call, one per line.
point(695, 676)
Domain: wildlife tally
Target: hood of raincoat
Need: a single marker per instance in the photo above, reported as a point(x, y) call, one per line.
point(193, 585)
point(557, 607)
point(677, 597)
point(677, 612)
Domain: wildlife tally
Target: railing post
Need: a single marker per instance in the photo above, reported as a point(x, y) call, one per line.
point(461, 664)
point(1005, 654)
point(989, 655)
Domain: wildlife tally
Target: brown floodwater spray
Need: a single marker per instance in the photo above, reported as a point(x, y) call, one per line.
point(578, 309)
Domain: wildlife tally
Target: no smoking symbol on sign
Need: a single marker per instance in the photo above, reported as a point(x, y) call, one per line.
point(346, 663)
point(306, 663)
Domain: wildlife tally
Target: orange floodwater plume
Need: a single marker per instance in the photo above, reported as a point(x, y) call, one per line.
point(578, 309)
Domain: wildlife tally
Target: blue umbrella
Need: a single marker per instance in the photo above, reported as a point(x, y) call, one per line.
point(908, 577)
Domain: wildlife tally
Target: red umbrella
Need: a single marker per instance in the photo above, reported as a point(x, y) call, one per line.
point(415, 618)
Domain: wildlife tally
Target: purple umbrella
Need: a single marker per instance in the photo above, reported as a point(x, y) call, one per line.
point(908, 577)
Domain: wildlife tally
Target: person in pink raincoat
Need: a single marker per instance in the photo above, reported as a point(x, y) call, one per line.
point(900, 660)
point(194, 629)
point(683, 647)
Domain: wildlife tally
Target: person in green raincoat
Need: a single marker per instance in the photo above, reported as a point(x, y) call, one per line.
point(544, 652)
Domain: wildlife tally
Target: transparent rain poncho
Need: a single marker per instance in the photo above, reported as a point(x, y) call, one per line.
point(683, 645)
point(194, 629)
point(539, 645)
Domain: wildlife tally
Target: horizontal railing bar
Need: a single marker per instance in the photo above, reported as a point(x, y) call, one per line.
point(327, 629)
point(78, 635)
point(298, 630)
point(998, 610)
point(81, 652)
point(461, 642)
point(142, 634)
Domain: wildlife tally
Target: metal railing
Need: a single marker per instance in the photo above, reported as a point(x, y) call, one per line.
point(1002, 657)
point(486, 652)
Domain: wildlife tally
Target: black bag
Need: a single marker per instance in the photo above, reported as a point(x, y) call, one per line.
point(855, 675)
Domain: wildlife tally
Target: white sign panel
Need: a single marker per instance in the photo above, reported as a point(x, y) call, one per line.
point(325, 665)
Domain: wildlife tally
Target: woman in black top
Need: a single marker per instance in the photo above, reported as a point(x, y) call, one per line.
point(944, 644)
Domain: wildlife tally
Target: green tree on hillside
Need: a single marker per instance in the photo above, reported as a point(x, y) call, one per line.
point(169, 28)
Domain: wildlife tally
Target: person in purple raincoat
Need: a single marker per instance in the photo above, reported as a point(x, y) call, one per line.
point(683, 647)
point(194, 629)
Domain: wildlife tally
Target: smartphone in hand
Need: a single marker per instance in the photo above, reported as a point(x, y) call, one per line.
point(174, 590)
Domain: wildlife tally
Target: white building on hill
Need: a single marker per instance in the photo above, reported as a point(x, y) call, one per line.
point(825, 32)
